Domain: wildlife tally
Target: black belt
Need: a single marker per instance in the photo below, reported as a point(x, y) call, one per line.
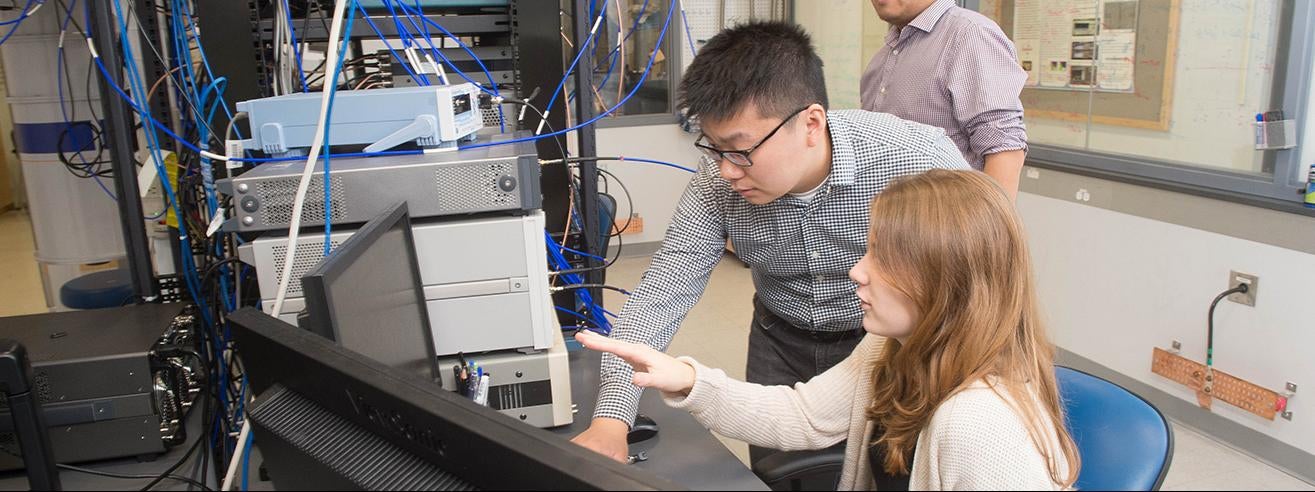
point(766, 317)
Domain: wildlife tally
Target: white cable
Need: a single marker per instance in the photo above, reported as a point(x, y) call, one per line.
point(331, 60)
point(213, 156)
point(238, 453)
point(539, 130)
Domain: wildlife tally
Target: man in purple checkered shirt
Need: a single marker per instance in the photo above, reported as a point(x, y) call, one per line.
point(952, 68)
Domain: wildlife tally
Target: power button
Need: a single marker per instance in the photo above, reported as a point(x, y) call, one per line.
point(507, 183)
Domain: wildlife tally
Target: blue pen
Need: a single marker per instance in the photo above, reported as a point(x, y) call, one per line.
point(472, 384)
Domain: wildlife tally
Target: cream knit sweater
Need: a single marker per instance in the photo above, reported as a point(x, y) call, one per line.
point(974, 441)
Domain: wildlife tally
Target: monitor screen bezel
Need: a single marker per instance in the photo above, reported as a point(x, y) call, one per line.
point(315, 283)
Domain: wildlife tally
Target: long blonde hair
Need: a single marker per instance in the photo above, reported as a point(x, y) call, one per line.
point(951, 242)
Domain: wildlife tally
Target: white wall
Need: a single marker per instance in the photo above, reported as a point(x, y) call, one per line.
point(846, 34)
point(1113, 286)
point(654, 189)
point(836, 28)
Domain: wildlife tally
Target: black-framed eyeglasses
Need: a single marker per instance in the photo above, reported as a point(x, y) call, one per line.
point(740, 157)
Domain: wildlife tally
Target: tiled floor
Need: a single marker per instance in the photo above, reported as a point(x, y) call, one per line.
point(20, 281)
point(715, 333)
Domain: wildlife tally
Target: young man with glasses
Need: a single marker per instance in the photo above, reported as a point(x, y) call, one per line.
point(789, 183)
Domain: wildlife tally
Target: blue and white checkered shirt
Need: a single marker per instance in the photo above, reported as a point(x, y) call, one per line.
point(800, 251)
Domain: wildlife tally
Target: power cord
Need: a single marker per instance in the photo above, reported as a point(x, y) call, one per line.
point(1210, 334)
point(155, 478)
point(178, 478)
point(1241, 288)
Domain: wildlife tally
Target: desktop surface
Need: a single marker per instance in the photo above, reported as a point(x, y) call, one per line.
point(683, 451)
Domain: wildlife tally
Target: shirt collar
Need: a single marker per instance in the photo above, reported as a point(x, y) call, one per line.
point(844, 160)
point(928, 18)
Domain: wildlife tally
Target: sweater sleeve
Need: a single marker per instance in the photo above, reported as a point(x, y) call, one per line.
point(810, 415)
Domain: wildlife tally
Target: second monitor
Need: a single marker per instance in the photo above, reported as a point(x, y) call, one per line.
point(367, 296)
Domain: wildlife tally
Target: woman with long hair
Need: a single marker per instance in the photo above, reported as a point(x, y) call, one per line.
point(953, 387)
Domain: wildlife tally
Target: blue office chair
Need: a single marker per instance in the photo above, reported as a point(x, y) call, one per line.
point(1124, 441)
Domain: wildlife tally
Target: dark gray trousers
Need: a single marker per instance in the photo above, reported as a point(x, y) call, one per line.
point(783, 354)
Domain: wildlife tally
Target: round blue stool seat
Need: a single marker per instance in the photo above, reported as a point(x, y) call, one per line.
point(104, 289)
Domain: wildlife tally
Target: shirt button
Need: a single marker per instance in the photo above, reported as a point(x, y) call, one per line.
point(896, 52)
point(883, 90)
point(816, 255)
point(819, 278)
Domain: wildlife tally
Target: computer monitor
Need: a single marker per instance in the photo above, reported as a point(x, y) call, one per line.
point(367, 296)
point(328, 417)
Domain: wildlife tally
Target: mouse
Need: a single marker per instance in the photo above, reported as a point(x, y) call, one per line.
point(643, 429)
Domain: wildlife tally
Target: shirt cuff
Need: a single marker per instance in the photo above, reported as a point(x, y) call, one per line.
point(991, 139)
point(618, 400)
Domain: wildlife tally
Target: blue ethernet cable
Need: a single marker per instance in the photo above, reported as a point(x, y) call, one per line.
point(17, 22)
point(688, 35)
point(59, 87)
point(582, 296)
point(406, 37)
point(189, 268)
point(652, 58)
point(493, 85)
point(205, 61)
point(579, 52)
point(581, 253)
point(405, 65)
point(188, 263)
point(328, 124)
point(612, 56)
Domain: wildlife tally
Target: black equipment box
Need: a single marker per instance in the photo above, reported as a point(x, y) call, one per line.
point(105, 389)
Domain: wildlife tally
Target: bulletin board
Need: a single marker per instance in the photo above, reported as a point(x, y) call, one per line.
point(1146, 101)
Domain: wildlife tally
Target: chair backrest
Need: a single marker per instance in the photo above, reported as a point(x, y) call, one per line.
point(1124, 441)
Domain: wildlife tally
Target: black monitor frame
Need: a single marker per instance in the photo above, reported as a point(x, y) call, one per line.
point(473, 442)
point(314, 284)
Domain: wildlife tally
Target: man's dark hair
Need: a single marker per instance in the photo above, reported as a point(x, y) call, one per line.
point(770, 64)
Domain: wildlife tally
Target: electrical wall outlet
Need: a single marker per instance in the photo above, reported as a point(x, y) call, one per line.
point(1253, 284)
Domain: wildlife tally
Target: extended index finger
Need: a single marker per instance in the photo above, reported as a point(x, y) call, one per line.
point(625, 350)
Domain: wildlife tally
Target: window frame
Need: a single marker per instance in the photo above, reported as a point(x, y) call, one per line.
point(674, 43)
point(1280, 190)
point(675, 33)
